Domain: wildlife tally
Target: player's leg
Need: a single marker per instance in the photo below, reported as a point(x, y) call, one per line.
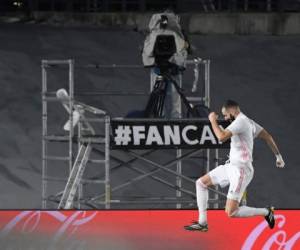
point(202, 201)
point(233, 210)
point(202, 197)
point(214, 177)
point(239, 180)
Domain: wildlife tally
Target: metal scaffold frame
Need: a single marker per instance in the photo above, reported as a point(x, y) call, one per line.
point(86, 140)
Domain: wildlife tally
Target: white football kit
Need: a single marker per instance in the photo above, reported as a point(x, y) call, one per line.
point(239, 171)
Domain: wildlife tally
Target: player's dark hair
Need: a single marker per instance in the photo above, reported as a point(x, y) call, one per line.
point(230, 104)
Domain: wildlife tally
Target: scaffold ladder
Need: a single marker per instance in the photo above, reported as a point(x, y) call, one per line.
point(75, 176)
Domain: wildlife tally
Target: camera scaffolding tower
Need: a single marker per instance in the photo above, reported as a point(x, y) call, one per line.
point(86, 138)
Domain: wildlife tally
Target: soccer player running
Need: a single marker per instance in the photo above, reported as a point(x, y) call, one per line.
point(238, 172)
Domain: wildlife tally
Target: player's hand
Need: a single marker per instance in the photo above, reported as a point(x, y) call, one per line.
point(212, 116)
point(279, 161)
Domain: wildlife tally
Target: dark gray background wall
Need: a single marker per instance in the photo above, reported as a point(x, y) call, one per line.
point(260, 72)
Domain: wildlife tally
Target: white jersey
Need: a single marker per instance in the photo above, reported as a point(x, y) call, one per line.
point(243, 130)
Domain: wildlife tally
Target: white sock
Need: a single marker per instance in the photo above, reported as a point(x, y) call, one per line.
point(245, 211)
point(202, 199)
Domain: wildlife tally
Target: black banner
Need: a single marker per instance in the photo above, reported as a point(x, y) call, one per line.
point(154, 134)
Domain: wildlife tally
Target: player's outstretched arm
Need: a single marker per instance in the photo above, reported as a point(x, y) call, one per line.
point(272, 145)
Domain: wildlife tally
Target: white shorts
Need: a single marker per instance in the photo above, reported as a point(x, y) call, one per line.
point(237, 177)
